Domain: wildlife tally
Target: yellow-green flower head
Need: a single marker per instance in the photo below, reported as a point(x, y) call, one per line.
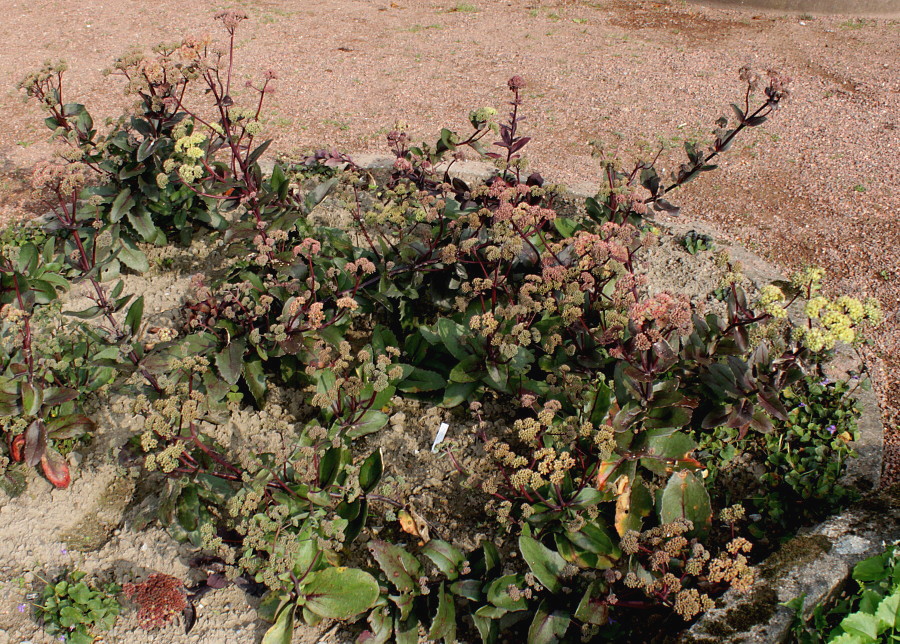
point(815, 306)
point(852, 307)
point(483, 117)
point(814, 339)
point(873, 312)
point(811, 277)
point(190, 173)
point(770, 293)
point(190, 141)
point(833, 319)
point(845, 335)
point(770, 299)
point(182, 129)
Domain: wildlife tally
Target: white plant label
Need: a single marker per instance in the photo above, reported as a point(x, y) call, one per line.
point(442, 432)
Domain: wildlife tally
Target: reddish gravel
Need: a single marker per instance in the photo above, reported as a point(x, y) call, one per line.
point(815, 184)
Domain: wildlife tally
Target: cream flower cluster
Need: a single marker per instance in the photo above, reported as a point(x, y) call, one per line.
point(837, 319)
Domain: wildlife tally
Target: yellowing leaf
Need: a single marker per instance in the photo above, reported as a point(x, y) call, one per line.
point(412, 523)
point(623, 503)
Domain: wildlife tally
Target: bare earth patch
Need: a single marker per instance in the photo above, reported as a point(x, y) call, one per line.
point(816, 184)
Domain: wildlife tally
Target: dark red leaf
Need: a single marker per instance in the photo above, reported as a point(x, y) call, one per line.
point(521, 143)
point(769, 401)
point(216, 580)
point(16, 448)
point(190, 617)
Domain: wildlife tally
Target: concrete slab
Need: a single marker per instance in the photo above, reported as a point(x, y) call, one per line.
point(855, 8)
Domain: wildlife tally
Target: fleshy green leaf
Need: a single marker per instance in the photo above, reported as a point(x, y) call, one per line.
point(280, 632)
point(686, 497)
point(498, 594)
point(71, 426)
point(400, 567)
point(340, 593)
point(371, 422)
point(143, 224)
point(255, 377)
point(447, 558)
point(370, 471)
point(421, 380)
point(546, 564)
point(592, 609)
point(135, 313)
point(457, 393)
point(32, 398)
point(230, 360)
point(444, 623)
point(121, 205)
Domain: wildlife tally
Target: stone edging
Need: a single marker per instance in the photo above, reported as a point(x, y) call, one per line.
point(816, 564)
point(855, 8)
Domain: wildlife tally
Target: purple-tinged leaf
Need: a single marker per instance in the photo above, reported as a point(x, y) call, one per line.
point(521, 143)
point(71, 426)
point(216, 580)
point(35, 442)
point(59, 395)
point(401, 568)
point(769, 401)
point(190, 617)
point(549, 626)
point(444, 623)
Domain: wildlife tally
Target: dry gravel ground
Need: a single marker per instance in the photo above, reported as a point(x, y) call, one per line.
point(817, 183)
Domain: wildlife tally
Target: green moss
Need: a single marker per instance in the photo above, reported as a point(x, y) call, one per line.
point(758, 608)
point(796, 552)
point(755, 608)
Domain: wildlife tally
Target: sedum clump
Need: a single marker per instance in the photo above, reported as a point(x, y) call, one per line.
point(597, 486)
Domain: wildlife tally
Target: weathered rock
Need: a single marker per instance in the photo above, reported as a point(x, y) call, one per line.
point(816, 564)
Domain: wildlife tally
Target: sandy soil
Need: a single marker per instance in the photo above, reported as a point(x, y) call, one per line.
point(815, 184)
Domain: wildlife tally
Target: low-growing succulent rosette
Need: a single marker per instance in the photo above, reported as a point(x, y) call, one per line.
point(159, 599)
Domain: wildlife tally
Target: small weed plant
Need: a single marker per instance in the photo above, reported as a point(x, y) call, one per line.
point(695, 242)
point(791, 475)
point(465, 297)
point(77, 611)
